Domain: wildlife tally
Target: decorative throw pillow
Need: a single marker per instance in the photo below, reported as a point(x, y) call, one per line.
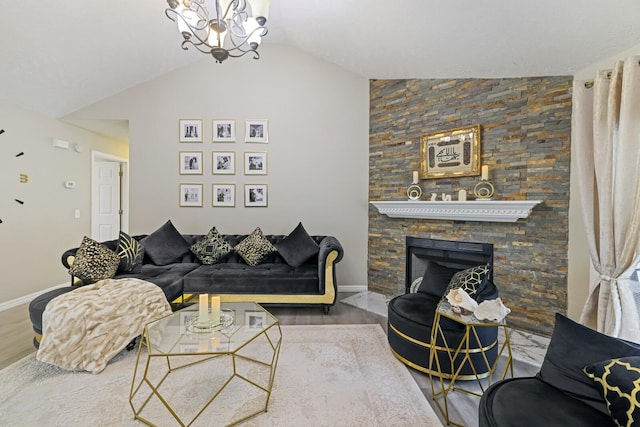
point(472, 280)
point(165, 245)
point(574, 346)
point(94, 261)
point(436, 278)
point(131, 254)
point(211, 248)
point(619, 383)
point(254, 247)
point(297, 247)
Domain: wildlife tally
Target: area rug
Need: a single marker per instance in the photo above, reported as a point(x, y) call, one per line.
point(330, 375)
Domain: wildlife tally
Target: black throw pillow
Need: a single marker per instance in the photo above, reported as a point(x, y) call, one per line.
point(436, 278)
point(297, 247)
point(619, 384)
point(131, 253)
point(574, 346)
point(165, 245)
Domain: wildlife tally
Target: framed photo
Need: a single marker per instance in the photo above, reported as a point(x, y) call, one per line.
point(451, 153)
point(191, 195)
point(224, 195)
point(190, 130)
point(224, 130)
point(256, 131)
point(255, 163)
point(255, 195)
point(191, 163)
point(255, 320)
point(224, 163)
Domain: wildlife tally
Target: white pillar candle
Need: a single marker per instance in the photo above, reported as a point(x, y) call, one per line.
point(215, 309)
point(203, 309)
point(462, 195)
point(485, 173)
point(415, 177)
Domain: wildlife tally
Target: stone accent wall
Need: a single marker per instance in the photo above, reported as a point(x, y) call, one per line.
point(525, 141)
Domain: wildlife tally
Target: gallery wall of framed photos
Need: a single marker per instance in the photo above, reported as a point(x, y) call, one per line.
point(224, 163)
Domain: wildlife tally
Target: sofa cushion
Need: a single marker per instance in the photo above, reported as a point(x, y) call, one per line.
point(131, 254)
point(165, 245)
point(297, 247)
point(571, 348)
point(94, 261)
point(255, 247)
point(472, 280)
point(530, 402)
point(436, 278)
point(211, 248)
point(619, 383)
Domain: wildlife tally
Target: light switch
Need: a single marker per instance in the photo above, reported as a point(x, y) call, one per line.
point(76, 214)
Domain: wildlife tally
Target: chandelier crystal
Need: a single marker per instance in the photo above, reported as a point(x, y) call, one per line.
point(232, 29)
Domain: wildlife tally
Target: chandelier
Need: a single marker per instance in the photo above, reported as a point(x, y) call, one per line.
point(233, 29)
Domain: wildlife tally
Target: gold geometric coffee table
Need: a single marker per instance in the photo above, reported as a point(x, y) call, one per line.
point(235, 365)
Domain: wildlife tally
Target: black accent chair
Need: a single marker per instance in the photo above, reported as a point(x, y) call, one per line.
point(410, 316)
point(561, 394)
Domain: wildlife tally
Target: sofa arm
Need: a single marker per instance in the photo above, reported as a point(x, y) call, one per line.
point(331, 253)
point(68, 256)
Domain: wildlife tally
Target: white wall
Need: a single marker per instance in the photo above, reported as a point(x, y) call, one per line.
point(579, 263)
point(34, 235)
point(317, 150)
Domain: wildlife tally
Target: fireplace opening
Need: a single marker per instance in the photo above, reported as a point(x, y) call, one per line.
point(453, 254)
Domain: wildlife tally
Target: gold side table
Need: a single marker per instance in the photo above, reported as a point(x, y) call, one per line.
point(253, 340)
point(464, 349)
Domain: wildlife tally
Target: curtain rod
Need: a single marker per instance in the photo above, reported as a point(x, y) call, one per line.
point(589, 84)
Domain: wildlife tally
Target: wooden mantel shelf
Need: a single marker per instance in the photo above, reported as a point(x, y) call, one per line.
point(475, 210)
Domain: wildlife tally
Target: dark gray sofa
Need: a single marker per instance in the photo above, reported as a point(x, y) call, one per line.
point(273, 281)
point(562, 394)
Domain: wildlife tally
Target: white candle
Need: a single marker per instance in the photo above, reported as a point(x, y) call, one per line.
point(485, 173)
point(462, 195)
point(203, 309)
point(415, 177)
point(215, 309)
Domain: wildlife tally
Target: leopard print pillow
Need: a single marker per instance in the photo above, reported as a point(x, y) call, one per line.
point(94, 261)
point(254, 248)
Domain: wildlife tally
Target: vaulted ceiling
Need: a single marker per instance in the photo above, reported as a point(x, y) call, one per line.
point(59, 56)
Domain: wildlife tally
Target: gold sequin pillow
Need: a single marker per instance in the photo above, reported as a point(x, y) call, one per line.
point(254, 248)
point(94, 261)
point(619, 382)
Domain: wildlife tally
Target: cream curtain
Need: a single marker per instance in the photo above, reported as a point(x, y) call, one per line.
point(606, 132)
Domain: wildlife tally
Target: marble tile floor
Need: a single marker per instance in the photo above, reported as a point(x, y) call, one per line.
point(525, 346)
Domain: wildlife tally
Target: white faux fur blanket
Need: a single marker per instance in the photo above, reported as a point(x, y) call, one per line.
point(82, 330)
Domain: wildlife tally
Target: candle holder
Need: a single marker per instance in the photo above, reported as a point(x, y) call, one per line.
point(414, 192)
point(483, 190)
point(196, 325)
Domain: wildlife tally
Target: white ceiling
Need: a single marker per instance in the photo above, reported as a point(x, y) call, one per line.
point(59, 56)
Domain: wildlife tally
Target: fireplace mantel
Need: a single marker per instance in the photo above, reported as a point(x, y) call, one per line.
point(475, 210)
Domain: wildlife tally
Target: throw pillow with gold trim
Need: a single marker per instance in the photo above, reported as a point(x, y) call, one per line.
point(131, 253)
point(254, 248)
point(211, 248)
point(472, 280)
point(94, 261)
point(619, 383)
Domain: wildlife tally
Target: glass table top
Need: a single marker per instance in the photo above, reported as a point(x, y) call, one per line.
point(173, 335)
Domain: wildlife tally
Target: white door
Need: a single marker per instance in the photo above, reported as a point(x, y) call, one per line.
point(105, 212)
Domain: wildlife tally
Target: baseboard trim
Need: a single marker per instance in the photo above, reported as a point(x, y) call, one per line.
point(27, 298)
point(352, 288)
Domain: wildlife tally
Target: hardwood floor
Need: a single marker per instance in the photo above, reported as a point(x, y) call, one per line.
point(16, 334)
